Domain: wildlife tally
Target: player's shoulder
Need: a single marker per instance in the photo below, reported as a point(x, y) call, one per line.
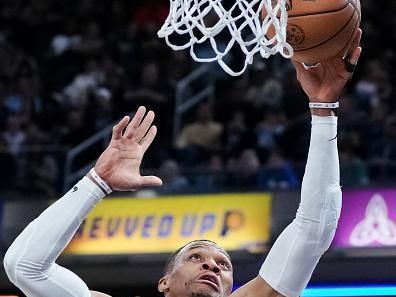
point(98, 294)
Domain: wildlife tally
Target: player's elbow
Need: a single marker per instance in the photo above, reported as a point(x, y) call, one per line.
point(10, 263)
point(321, 231)
point(18, 267)
point(329, 218)
point(317, 235)
point(326, 233)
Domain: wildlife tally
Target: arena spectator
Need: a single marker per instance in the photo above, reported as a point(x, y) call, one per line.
point(277, 173)
point(268, 94)
point(269, 130)
point(198, 139)
point(236, 135)
point(354, 171)
point(173, 180)
point(244, 170)
point(13, 137)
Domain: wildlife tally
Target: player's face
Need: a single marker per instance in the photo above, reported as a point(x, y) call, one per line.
point(199, 272)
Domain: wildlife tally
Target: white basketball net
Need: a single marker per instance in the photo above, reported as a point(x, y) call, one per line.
point(243, 21)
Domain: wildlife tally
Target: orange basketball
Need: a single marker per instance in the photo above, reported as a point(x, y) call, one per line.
point(319, 30)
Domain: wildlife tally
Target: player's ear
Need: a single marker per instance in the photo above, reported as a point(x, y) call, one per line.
point(163, 284)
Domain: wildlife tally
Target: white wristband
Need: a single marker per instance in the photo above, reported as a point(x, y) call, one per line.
point(100, 181)
point(328, 105)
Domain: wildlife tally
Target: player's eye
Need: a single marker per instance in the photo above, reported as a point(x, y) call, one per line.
point(195, 257)
point(224, 265)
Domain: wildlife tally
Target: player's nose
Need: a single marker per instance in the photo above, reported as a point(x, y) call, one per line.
point(212, 266)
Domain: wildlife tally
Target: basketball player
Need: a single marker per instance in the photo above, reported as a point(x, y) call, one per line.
point(201, 268)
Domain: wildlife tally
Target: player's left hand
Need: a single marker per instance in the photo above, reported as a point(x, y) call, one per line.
point(325, 81)
point(119, 164)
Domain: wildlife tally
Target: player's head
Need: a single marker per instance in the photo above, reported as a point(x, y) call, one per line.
point(200, 268)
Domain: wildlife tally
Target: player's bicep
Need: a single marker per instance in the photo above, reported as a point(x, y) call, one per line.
point(257, 287)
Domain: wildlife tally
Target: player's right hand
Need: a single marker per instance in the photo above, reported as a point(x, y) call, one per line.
point(119, 164)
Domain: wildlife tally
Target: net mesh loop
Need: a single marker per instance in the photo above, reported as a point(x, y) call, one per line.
point(243, 21)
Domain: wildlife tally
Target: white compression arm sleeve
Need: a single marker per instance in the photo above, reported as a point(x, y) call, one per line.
point(295, 254)
point(30, 261)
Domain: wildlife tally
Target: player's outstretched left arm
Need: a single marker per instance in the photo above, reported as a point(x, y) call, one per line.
point(295, 254)
point(30, 261)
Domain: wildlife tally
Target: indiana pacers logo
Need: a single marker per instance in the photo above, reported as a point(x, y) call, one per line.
point(295, 35)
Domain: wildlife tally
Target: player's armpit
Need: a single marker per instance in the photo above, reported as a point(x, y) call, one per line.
point(257, 287)
point(98, 294)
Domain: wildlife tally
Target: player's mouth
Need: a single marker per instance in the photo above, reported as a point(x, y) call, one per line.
point(209, 279)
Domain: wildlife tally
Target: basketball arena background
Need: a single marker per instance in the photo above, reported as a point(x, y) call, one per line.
point(69, 69)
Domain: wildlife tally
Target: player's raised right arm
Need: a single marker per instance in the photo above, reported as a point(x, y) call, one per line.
point(30, 260)
point(295, 254)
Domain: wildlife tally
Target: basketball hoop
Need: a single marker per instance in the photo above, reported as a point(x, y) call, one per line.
point(241, 20)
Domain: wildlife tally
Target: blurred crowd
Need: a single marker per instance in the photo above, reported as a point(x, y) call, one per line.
point(69, 69)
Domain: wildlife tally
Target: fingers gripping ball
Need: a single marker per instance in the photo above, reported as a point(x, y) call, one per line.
point(319, 30)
